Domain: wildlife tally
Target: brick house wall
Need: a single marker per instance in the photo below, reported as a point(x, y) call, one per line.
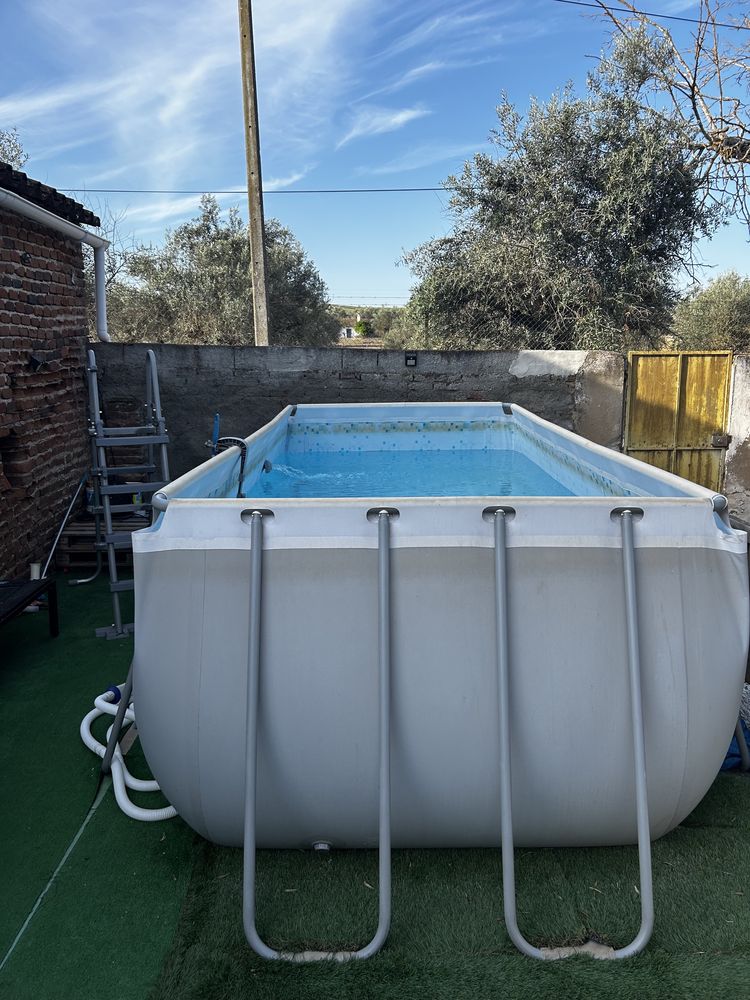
point(43, 339)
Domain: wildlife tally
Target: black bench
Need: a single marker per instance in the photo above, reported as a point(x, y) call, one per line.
point(15, 595)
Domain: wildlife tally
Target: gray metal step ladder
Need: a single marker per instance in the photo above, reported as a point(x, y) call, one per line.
point(382, 516)
point(500, 516)
point(117, 498)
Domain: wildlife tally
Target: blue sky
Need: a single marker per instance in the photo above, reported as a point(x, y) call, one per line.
point(146, 94)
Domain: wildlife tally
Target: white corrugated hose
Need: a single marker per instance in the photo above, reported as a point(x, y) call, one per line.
point(122, 779)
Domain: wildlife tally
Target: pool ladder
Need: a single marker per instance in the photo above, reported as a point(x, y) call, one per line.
point(113, 498)
point(499, 516)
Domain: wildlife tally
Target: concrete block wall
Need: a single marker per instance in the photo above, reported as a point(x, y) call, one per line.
point(43, 441)
point(580, 390)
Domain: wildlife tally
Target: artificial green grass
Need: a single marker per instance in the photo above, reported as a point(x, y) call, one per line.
point(104, 926)
point(448, 937)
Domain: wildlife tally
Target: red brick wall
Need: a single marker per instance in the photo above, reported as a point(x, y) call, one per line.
point(43, 439)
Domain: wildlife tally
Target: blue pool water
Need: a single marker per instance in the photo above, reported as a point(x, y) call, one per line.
point(406, 474)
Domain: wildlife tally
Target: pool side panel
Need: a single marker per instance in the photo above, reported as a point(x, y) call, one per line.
point(571, 745)
point(572, 762)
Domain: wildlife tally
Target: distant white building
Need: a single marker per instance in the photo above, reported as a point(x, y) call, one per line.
point(347, 333)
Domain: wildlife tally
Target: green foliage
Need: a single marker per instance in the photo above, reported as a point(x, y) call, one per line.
point(196, 287)
point(11, 149)
point(383, 319)
point(716, 317)
point(572, 236)
point(376, 321)
point(364, 328)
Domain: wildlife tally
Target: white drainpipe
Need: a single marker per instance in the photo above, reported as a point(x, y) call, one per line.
point(15, 203)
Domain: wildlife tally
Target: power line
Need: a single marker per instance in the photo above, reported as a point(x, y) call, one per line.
point(646, 13)
point(240, 191)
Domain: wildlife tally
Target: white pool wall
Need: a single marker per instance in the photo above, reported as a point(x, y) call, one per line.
point(571, 741)
point(579, 465)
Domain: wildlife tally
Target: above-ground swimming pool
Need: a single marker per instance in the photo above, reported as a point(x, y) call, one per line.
point(321, 475)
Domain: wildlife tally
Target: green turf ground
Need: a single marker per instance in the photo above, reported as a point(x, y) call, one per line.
point(106, 923)
point(448, 939)
point(151, 911)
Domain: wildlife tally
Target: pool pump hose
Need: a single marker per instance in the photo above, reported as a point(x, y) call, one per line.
point(115, 701)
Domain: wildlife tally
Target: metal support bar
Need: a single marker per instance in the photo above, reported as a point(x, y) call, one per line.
point(636, 709)
point(742, 747)
point(384, 842)
point(114, 736)
point(68, 512)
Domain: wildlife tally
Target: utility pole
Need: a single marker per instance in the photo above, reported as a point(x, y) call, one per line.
point(254, 177)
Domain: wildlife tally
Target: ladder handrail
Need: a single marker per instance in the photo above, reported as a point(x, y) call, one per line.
point(153, 398)
point(641, 788)
point(251, 756)
point(95, 411)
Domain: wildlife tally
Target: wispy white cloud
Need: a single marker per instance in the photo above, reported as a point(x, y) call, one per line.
point(158, 87)
point(463, 33)
point(424, 156)
point(163, 209)
point(279, 183)
point(171, 208)
point(406, 78)
point(51, 152)
point(26, 105)
point(677, 7)
point(433, 28)
point(375, 121)
point(307, 67)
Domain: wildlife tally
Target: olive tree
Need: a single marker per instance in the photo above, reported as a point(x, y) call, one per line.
point(571, 234)
point(11, 149)
point(195, 288)
point(702, 83)
point(715, 317)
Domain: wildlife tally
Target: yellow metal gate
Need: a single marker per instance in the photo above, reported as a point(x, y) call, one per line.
point(677, 412)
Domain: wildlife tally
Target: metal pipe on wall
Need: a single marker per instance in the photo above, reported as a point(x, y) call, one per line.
point(15, 203)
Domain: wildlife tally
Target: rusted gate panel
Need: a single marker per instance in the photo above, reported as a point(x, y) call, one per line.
point(677, 412)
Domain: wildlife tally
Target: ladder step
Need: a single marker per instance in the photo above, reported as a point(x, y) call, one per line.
point(121, 586)
point(125, 488)
point(118, 539)
point(130, 441)
point(125, 470)
point(121, 508)
point(149, 429)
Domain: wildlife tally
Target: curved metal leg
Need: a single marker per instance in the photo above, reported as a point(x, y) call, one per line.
point(384, 845)
point(94, 575)
point(641, 789)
